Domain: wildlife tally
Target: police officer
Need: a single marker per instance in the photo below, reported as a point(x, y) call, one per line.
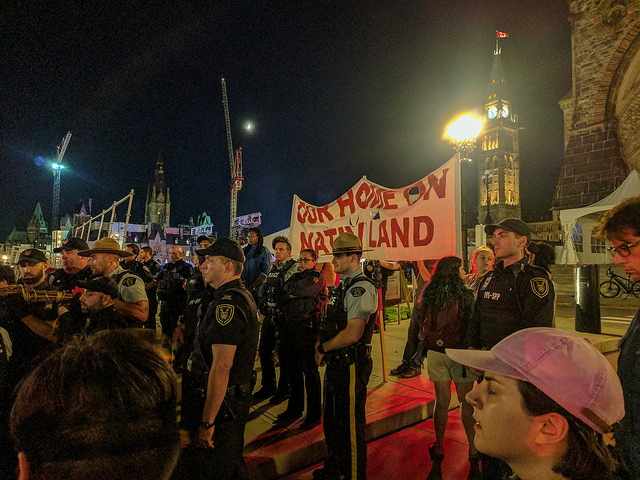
point(512, 296)
point(345, 347)
point(306, 294)
point(281, 270)
point(224, 353)
point(171, 289)
point(74, 267)
point(515, 294)
point(104, 260)
point(145, 257)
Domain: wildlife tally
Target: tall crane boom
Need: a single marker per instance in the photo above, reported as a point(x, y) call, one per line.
point(57, 169)
point(235, 162)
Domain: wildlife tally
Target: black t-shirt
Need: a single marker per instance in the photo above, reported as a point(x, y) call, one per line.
point(232, 319)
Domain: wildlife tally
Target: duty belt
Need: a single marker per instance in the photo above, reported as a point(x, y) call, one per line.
point(239, 390)
point(348, 355)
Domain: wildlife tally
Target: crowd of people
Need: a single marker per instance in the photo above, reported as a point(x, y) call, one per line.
point(87, 393)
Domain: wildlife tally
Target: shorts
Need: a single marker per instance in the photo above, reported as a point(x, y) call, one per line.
point(442, 369)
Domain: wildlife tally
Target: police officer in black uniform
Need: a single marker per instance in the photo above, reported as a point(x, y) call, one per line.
point(224, 353)
point(513, 296)
point(345, 347)
point(171, 289)
point(74, 267)
point(145, 257)
point(305, 294)
point(273, 309)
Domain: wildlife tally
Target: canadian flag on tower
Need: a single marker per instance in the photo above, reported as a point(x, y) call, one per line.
point(500, 34)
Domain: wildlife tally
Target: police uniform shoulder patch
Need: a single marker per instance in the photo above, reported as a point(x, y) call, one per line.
point(224, 313)
point(129, 281)
point(540, 286)
point(357, 291)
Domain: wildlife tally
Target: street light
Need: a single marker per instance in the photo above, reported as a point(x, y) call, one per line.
point(462, 133)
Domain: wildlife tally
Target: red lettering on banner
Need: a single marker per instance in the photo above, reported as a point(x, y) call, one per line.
point(305, 242)
point(375, 198)
point(361, 195)
point(418, 239)
point(387, 197)
point(372, 241)
point(320, 245)
point(421, 190)
point(398, 233)
point(330, 233)
point(343, 203)
point(323, 214)
point(301, 208)
point(383, 236)
point(438, 186)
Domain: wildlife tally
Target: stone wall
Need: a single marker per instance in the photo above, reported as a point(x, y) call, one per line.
point(601, 114)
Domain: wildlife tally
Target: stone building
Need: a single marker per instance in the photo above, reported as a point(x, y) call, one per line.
point(157, 207)
point(602, 110)
point(499, 157)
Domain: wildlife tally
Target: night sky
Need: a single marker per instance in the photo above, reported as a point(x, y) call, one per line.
point(337, 90)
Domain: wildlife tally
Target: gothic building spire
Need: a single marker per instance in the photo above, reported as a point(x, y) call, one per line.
point(158, 204)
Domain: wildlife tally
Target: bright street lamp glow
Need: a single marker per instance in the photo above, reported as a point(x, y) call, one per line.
point(57, 166)
point(465, 127)
point(248, 126)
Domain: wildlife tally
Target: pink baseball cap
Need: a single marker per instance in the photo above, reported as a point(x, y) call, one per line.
point(564, 366)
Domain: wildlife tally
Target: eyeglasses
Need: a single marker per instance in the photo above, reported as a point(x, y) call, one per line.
point(305, 260)
point(623, 250)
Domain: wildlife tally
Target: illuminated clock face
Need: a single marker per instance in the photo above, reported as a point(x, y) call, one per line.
point(505, 111)
point(492, 112)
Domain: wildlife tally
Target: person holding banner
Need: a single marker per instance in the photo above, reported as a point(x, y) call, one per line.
point(345, 347)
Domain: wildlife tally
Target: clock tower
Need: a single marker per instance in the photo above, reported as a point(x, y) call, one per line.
point(499, 154)
point(158, 205)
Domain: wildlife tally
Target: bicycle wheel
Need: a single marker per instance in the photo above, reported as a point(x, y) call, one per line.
point(635, 289)
point(609, 289)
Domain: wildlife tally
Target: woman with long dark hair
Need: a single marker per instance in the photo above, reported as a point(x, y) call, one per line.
point(257, 263)
point(447, 305)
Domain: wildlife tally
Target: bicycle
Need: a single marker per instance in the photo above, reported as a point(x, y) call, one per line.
point(617, 283)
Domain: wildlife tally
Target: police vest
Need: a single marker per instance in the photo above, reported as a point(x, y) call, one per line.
point(274, 282)
point(335, 318)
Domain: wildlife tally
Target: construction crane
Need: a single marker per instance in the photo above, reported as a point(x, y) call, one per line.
point(235, 162)
point(57, 167)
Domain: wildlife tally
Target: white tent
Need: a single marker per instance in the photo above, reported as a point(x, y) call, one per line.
point(590, 215)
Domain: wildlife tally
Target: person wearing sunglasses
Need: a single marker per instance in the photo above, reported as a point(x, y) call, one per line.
point(305, 294)
point(621, 226)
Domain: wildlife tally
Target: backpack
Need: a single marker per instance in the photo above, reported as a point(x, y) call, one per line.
point(441, 329)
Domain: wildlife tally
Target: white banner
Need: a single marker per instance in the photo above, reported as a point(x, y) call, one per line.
point(417, 222)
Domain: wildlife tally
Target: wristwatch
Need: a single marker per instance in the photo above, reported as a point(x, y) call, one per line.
point(207, 426)
point(320, 348)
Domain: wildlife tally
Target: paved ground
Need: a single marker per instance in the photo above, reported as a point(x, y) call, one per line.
point(399, 427)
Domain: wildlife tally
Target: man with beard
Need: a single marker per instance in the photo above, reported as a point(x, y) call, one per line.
point(103, 260)
point(98, 311)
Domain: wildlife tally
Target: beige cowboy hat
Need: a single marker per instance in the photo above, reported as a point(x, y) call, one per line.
point(347, 243)
point(105, 245)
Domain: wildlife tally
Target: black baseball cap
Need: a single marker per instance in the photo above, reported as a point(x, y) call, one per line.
point(106, 285)
point(202, 238)
point(32, 255)
point(73, 243)
point(510, 225)
point(224, 247)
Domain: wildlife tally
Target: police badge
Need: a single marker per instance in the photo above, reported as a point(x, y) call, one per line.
point(540, 286)
point(224, 313)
